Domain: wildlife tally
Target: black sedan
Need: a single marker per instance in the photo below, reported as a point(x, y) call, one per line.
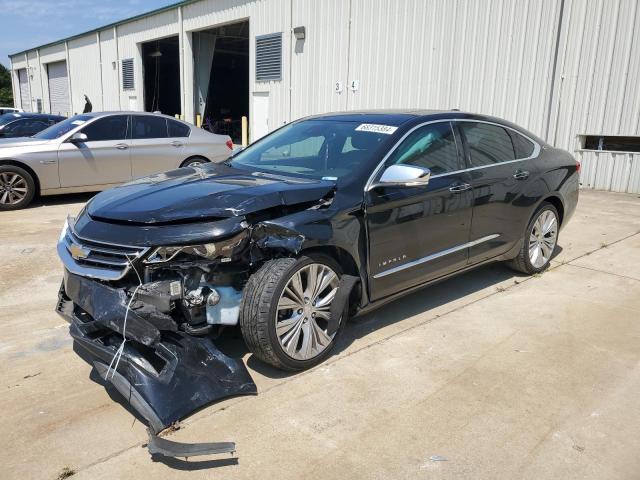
point(327, 217)
point(20, 124)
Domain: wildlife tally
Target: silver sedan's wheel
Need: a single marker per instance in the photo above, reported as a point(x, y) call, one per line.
point(13, 188)
point(303, 311)
point(543, 238)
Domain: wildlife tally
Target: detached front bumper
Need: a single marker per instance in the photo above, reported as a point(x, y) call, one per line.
point(165, 374)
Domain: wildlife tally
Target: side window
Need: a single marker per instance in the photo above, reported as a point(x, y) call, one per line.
point(177, 129)
point(147, 126)
point(34, 126)
point(14, 128)
point(524, 148)
point(432, 146)
point(488, 144)
point(107, 128)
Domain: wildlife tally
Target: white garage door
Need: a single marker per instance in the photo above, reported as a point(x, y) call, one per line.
point(25, 97)
point(58, 88)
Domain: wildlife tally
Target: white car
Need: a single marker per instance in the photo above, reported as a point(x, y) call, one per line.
point(95, 151)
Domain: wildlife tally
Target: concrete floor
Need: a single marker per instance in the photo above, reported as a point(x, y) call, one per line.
point(503, 376)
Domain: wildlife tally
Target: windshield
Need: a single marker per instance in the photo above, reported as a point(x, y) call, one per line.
point(59, 129)
point(323, 149)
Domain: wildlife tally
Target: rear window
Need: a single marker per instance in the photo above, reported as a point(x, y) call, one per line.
point(177, 129)
point(523, 147)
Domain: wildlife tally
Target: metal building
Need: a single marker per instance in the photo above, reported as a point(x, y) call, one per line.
point(568, 70)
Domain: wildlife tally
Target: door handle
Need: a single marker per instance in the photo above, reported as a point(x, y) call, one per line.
point(460, 187)
point(521, 175)
point(176, 144)
point(122, 146)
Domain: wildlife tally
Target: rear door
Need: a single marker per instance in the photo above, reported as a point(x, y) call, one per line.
point(152, 150)
point(501, 164)
point(102, 160)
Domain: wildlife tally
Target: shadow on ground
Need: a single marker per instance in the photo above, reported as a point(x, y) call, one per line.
point(418, 302)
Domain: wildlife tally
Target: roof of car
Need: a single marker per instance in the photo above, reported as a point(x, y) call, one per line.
point(125, 112)
point(398, 117)
point(14, 116)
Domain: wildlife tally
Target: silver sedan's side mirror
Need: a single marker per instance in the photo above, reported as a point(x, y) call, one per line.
point(78, 137)
point(403, 176)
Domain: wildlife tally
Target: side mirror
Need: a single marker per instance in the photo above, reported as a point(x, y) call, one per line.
point(403, 176)
point(79, 138)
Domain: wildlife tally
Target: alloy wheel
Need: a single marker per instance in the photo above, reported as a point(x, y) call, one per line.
point(303, 311)
point(13, 188)
point(543, 238)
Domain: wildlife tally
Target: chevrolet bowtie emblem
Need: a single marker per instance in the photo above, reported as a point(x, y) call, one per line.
point(78, 252)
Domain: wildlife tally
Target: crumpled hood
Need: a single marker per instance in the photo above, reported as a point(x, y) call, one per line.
point(204, 192)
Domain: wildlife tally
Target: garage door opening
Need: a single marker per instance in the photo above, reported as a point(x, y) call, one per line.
point(161, 60)
point(221, 57)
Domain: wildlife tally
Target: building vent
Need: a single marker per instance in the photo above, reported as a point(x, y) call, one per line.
point(127, 74)
point(269, 57)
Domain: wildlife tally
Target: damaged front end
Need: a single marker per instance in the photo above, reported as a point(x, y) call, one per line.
point(156, 269)
point(145, 318)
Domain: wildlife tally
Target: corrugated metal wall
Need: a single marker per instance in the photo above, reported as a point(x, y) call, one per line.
point(560, 68)
point(615, 171)
point(488, 56)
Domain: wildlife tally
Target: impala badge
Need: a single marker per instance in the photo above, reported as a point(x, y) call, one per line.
point(393, 260)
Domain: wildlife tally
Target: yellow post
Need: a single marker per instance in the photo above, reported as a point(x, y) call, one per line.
point(245, 132)
point(198, 121)
point(178, 116)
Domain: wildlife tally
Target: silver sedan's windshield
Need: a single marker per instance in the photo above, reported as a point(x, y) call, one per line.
point(59, 129)
point(315, 148)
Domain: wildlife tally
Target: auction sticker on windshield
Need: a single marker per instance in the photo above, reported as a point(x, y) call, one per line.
point(376, 128)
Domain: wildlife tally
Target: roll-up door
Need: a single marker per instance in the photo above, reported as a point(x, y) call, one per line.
point(25, 96)
point(58, 88)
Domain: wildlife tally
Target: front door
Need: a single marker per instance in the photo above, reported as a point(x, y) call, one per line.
point(103, 159)
point(419, 233)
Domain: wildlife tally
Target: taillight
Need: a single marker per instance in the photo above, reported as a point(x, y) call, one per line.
point(230, 144)
point(578, 165)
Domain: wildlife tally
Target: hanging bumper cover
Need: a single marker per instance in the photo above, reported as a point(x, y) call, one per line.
point(163, 373)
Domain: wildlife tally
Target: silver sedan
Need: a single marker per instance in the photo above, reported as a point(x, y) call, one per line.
point(95, 151)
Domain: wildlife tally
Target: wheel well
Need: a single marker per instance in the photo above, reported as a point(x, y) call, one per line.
point(556, 202)
point(24, 167)
point(193, 157)
point(347, 263)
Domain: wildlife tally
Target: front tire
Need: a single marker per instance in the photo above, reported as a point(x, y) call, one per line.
point(17, 187)
point(285, 310)
point(539, 242)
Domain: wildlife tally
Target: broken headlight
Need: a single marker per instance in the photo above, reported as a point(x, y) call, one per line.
point(207, 251)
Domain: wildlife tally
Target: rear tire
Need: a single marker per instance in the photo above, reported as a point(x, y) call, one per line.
point(17, 187)
point(539, 241)
point(193, 161)
point(290, 338)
